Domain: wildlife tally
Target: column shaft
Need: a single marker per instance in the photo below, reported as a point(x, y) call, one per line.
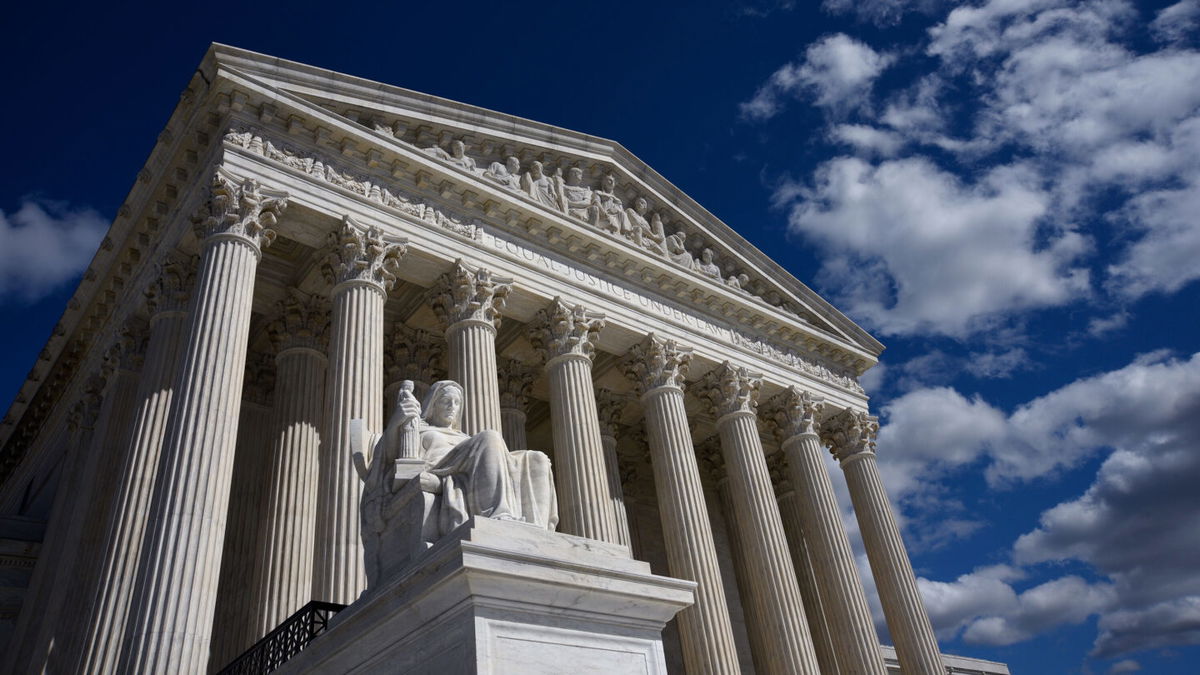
point(704, 628)
point(908, 623)
point(355, 391)
point(741, 576)
point(617, 492)
point(810, 593)
point(472, 356)
point(121, 552)
point(177, 586)
point(233, 628)
point(842, 595)
point(586, 505)
point(778, 615)
point(286, 558)
point(512, 428)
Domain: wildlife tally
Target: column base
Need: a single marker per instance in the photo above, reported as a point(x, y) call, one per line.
point(506, 597)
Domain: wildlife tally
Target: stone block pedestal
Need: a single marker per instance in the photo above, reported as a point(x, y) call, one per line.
point(503, 597)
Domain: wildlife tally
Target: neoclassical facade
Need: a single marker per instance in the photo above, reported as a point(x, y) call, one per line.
point(298, 245)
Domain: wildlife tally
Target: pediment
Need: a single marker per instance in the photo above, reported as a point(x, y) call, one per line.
point(489, 160)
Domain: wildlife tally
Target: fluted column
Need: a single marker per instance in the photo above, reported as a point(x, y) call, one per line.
point(177, 584)
point(794, 414)
point(657, 367)
point(233, 621)
point(608, 407)
point(285, 561)
point(124, 360)
point(778, 615)
point(29, 645)
point(415, 355)
point(565, 335)
point(468, 302)
point(362, 271)
point(117, 563)
point(852, 437)
point(516, 379)
point(810, 593)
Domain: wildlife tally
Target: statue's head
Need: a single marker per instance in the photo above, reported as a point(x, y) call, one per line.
point(513, 165)
point(457, 148)
point(443, 405)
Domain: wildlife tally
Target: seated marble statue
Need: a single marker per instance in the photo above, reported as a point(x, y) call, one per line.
point(507, 174)
point(677, 251)
point(426, 477)
point(539, 186)
point(607, 211)
point(456, 156)
point(645, 233)
point(706, 266)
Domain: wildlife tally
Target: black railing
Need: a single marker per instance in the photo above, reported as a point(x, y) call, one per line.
point(287, 640)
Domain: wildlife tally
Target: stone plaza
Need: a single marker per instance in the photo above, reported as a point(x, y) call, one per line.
point(227, 426)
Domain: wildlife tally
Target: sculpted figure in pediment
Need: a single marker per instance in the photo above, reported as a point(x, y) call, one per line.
point(607, 211)
point(539, 186)
point(677, 252)
point(507, 174)
point(457, 155)
point(647, 234)
point(707, 267)
point(576, 197)
point(739, 282)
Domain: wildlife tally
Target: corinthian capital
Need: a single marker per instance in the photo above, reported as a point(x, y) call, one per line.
point(657, 362)
point(793, 413)
point(127, 350)
point(358, 253)
point(414, 354)
point(730, 389)
point(562, 329)
point(171, 288)
point(850, 434)
point(609, 406)
point(301, 320)
point(469, 294)
point(242, 208)
point(516, 380)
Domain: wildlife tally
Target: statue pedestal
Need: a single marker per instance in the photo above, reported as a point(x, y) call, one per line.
point(506, 597)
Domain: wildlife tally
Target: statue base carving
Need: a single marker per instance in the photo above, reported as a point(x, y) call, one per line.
point(501, 597)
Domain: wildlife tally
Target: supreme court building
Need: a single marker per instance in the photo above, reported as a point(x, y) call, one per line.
point(176, 474)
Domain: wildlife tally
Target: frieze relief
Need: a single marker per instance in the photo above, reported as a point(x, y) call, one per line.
point(324, 169)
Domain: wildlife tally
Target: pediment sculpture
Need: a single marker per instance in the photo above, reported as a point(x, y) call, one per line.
point(426, 477)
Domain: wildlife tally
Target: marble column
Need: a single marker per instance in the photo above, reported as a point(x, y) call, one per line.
point(30, 643)
point(657, 367)
point(167, 299)
point(124, 361)
point(172, 612)
point(468, 302)
point(845, 603)
point(361, 268)
point(565, 336)
point(609, 406)
point(233, 622)
point(852, 437)
point(778, 616)
point(516, 379)
point(284, 572)
point(411, 354)
point(814, 608)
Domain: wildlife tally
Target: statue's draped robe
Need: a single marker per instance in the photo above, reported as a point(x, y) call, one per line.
point(480, 476)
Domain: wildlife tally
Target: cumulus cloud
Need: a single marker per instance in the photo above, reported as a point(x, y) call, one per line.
point(837, 73)
point(1137, 526)
point(44, 245)
point(911, 248)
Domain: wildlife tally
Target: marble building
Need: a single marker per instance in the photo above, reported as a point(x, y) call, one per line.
point(299, 244)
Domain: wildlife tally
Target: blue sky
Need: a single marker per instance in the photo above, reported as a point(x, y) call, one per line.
point(1005, 193)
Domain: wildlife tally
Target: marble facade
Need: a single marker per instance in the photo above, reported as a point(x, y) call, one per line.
point(301, 243)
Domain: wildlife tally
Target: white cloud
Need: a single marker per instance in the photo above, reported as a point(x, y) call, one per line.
point(1137, 526)
point(1124, 666)
point(867, 139)
point(837, 72)
point(910, 248)
point(881, 12)
point(997, 364)
point(44, 245)
point(1177, 23)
